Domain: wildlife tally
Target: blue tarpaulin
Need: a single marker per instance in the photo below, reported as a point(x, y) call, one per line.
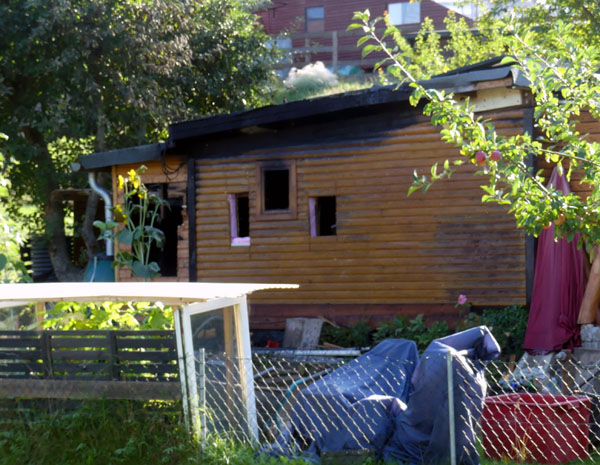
point(393, 402)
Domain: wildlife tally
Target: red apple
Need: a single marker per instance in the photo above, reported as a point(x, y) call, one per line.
point(496, 155)
point(560, 220)
point(480, 157)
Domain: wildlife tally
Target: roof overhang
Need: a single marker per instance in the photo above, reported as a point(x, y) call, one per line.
point(137, 154)
point(485, 75)
point(12, 295)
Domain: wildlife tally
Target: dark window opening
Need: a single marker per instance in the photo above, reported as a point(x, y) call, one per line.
point(276, 189)
point(324, 216)
point(243, 215)
point(169, 223)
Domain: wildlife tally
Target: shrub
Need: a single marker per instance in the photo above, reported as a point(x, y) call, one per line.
point(508, 325)
point(355, 335)
point(415, 330)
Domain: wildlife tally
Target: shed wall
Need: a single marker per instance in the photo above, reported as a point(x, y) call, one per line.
point(390, 249)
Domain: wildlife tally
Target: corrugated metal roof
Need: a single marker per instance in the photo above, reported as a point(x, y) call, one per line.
point(168, 293)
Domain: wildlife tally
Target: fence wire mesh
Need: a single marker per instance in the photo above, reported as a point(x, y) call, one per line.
point(543, 409)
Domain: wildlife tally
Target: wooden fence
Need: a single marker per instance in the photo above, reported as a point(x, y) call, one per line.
point(89, 364)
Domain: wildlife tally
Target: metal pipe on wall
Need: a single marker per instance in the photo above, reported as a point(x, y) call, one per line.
point(108, 216)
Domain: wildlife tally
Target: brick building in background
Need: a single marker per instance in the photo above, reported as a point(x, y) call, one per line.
point(316, 29)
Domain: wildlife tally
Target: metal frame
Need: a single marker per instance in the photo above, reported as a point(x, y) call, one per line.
point(244, 357)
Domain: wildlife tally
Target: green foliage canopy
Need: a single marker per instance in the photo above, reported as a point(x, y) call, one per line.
point(561, 62)
point(115, 72)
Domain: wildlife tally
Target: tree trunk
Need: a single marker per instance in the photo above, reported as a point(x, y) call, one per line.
point(64, 268)
point(58, 246)
point(588, 312)
point(92, 245)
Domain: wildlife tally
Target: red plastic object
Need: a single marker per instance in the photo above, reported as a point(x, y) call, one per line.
point(542, 428)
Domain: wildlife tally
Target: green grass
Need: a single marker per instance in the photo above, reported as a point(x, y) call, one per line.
point(113, 433)
point(98, 432)
point(282, 94)
point(124, 433)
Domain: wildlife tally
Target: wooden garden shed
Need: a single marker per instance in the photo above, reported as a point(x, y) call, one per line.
point(315, 193)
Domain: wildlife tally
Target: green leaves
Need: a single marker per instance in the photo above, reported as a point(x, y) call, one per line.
point(125, 236)
point(136, 227)
point(108, 315)
point(367, 49)
point(145, 270)
point(561, 66)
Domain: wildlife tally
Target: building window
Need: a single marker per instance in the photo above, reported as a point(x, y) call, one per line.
point(322, 216)
point(277, 190)
point(239, 217)
point(315, 19)
point(404, 13)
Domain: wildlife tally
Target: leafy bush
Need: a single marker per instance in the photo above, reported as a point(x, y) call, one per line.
point(415, 330)
point(355, 335)
point(108, 315)
point(508, 325)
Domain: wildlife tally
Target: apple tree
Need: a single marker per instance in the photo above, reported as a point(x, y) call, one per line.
point(561, 60)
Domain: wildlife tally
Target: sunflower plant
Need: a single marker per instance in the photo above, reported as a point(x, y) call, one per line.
point(134, 225)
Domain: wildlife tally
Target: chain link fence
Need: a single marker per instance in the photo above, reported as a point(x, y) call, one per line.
point(449, 408)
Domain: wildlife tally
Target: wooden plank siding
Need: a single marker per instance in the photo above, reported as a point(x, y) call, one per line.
point(390, 250)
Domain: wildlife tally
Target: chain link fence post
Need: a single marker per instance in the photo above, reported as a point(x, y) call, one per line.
point(451, 425)
point(202, 394)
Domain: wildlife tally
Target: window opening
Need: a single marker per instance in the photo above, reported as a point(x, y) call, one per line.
point(276, 184)
point(404, 13)
point(239, 214)
point(322, 216)
point(315, 19)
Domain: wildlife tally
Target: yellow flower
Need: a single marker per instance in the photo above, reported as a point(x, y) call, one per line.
point(121, 182)
point(119, 215)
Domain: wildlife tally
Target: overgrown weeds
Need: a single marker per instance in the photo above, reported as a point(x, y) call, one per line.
point(507, 324)
point(96, 432)
point(113, 432)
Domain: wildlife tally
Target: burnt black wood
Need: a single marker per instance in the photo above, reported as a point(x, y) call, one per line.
point(289, 114)
point(191, 213)
point(362, 127)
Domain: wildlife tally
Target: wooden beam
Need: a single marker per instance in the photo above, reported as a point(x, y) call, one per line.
point(530, 241)
point(70, 389)
point(191, 217)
